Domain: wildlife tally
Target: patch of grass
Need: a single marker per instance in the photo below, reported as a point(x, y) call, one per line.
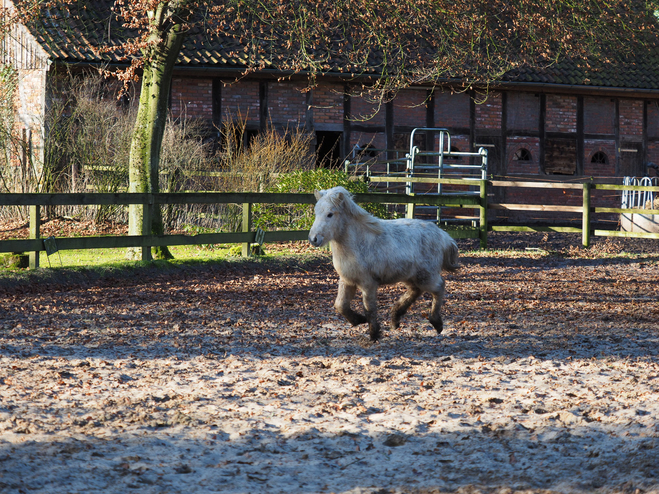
point(512, 253)
point(116, 258)
point(100, 257)
point(14, 261)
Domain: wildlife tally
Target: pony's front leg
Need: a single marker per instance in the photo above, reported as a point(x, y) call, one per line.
point(342, 303)
point(370, 298)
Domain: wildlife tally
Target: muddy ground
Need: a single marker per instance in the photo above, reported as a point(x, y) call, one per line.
point(238, 377)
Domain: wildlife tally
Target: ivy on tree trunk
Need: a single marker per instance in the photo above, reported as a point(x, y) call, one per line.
point(160, 54)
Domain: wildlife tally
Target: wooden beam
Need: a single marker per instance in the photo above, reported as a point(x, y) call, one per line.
point(626, 211)
point(612, 233)
point(536, 207)
point(559, 229)
point(625, 187)
point(536, 185)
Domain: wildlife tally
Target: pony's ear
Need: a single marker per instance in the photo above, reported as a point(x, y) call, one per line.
point(338, 199)
point(318, 194)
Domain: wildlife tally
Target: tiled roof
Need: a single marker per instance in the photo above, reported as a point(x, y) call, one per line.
point(84, 34)
point(642, 73)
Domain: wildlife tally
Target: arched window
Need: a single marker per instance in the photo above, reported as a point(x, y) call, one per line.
point(523, 154)
point(599, 158)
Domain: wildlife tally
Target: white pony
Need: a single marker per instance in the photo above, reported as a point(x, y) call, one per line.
point(368, 252)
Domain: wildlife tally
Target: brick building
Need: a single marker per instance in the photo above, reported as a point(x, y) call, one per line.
point(558, 124)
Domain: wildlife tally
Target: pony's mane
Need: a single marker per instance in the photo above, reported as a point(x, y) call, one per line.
point(348, 204)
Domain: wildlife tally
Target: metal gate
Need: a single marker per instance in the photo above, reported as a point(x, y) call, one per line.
point(640, 199)
point(443, 163)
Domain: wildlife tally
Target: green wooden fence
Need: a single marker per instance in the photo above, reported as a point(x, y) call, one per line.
point(35, 202)
point(586, 210)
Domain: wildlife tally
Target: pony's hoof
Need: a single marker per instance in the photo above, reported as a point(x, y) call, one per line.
point(438, 324)
point(359, 320)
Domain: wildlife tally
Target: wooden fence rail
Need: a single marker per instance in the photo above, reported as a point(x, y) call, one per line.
point(35, 243)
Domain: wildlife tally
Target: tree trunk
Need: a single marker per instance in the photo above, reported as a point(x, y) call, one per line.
point(150, 125)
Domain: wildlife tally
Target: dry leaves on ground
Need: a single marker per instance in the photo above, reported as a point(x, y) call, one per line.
point(239, 377)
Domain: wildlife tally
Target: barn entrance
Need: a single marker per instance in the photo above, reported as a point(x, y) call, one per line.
point(328, 149)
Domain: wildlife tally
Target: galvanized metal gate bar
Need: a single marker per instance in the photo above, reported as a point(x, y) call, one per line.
point(442, 168)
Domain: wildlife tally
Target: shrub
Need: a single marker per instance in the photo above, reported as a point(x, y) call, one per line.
point(301, 216)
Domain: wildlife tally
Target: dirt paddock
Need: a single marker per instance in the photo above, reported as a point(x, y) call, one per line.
point(238, 377)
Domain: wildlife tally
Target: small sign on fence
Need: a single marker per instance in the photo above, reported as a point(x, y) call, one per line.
point(259, 238)
point(51, 247)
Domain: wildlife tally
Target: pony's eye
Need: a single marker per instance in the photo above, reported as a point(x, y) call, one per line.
point(330, 215)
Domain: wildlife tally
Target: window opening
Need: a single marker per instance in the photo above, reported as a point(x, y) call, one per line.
point(599, 158)
point(523, 154)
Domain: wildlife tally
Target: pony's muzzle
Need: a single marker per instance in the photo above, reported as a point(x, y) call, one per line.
point(316, 240)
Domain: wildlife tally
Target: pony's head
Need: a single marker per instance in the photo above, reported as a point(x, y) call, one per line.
point(335, 210)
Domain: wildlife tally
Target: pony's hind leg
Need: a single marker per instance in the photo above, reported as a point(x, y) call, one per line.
point(342, 304)
point(403, 304)
point(435, 317)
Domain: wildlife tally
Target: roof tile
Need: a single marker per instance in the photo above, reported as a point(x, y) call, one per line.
point(78, 38)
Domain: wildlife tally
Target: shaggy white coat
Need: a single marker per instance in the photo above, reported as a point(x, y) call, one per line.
point(368, 252)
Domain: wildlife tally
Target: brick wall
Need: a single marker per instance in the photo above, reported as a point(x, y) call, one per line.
point(591, 147)
point(523, 167)
point(286, 104)
point(631, 118)
point(451, 109)
point(376, 140)
point(327, 104)
point(31, 107)
point(241, 100)
point(653, 119)
point(192, 98)
point(488, 114)
point(599, 115)
point(653, 152)
point(410, 109)
point(287, 107)
point(364, 110)
point(561, 113)
point(523, 111)
point(458, 142)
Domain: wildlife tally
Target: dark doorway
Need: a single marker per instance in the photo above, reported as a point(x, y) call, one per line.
point(631, 159)
point(328, 149)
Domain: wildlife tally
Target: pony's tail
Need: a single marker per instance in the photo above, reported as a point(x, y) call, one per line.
point(451, 262)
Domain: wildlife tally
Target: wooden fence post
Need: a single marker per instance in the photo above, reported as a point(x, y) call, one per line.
point(409, 208)
point(585, 215)
point(247, 226)
point(482, 230)
point(147, 215)
point(35, 232)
